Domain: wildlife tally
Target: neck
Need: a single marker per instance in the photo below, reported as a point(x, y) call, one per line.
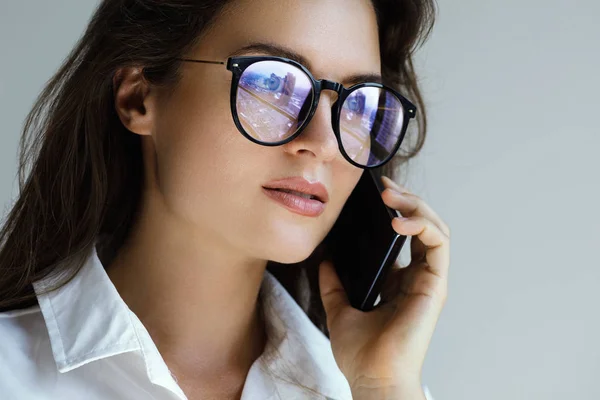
point(196, 296)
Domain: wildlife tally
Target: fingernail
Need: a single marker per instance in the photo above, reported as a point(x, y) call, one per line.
point(395, 185)
point(401, 194)
point(391, 181)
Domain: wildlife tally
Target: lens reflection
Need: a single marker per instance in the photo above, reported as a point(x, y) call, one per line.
point(270, 100)
point(371, 122)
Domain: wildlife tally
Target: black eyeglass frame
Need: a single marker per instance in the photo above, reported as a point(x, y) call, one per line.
point(237, 65)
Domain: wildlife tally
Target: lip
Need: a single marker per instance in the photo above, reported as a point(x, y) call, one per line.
point(298, 204)
point(299, 184)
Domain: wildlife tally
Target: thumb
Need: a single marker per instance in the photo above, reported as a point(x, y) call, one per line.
point(332, 291)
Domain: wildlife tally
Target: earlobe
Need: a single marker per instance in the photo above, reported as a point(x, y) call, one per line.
point(132, 97)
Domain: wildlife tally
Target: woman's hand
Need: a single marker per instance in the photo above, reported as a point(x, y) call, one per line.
point(381, 352)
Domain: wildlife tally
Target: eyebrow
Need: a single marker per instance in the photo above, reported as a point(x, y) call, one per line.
point(281, 51)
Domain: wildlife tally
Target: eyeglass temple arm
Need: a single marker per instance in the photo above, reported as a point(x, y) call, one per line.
point(202, 61)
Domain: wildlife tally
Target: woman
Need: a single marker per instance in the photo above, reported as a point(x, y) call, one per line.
point(154, 208)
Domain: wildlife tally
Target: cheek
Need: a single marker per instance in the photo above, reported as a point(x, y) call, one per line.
point(197, 145)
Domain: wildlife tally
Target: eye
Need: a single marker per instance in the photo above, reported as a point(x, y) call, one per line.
point(352, 104)
point(356, 102)
point(274, 82)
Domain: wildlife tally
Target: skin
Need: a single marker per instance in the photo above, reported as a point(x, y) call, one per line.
point(206, 229)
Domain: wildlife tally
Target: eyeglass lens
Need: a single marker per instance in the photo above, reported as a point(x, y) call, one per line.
point(274, 100)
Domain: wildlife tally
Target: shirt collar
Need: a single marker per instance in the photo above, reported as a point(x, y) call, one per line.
point(88, 320)
point(297, 346)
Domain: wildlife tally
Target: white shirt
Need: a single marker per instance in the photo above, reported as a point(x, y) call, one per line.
point(83, 342)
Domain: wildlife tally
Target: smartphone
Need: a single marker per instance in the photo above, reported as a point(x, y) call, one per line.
point(362, 244)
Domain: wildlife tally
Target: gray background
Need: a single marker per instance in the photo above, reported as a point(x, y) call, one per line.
point(511, 163)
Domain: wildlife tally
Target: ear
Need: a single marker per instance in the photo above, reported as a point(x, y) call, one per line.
point(134, 100)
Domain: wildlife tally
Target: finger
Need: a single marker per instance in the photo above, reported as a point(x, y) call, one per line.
point(414, 279)
point(418, 279)
point(437, 253)
point(392, 286)
point(409, 204)
point(418, 250)
point(389, 183)
point(412, 205)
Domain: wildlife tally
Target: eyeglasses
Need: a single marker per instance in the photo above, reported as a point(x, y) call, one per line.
point(274, 98)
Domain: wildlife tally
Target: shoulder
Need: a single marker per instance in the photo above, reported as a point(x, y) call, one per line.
point(16, 326)
point(20, 330)
point(24, 350)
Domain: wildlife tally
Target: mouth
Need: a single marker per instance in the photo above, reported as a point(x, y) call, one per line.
point(300, 187)
point(299, 194)
point(298, 203)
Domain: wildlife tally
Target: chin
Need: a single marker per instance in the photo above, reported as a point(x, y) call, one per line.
point(293, 259)
point(292, 255)
point(291, 249)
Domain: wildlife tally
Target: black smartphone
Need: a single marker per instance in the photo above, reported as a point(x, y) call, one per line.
point(362, 243)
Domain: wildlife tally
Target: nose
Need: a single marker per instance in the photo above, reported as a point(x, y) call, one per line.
point(317, 140)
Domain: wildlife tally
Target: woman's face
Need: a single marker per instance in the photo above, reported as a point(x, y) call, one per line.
point(212, 177)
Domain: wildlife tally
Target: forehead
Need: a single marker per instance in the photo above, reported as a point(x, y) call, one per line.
point(336, 37)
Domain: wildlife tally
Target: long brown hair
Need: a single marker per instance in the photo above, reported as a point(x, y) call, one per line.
point(80, 169)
